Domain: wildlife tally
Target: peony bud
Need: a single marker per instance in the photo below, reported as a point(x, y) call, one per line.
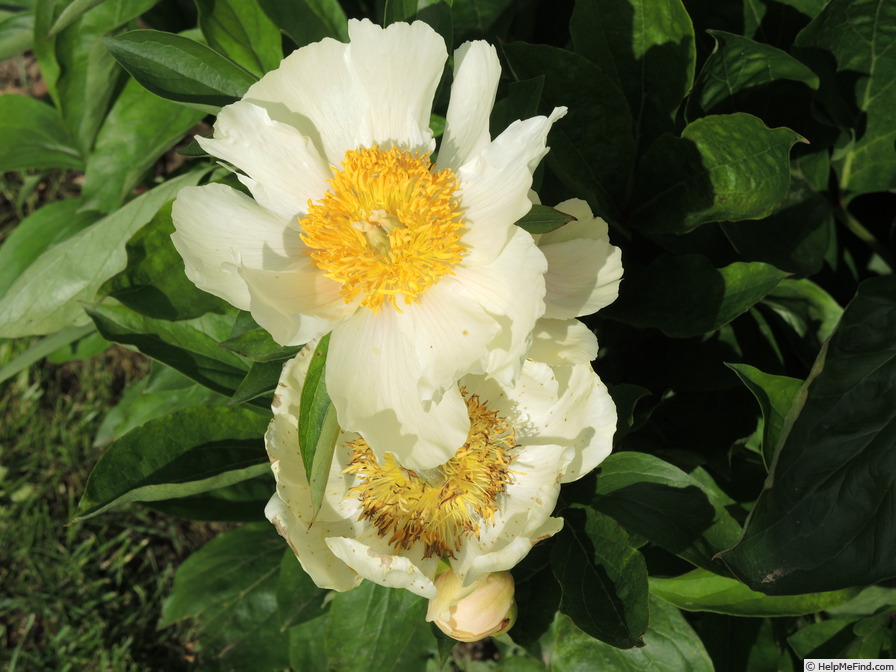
point(482, 609)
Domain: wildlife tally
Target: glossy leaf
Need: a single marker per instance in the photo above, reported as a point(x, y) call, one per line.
point(189, 346)
point(240, 30)
point(542, 219)
point(855, 37)
point(178, 68)
point(775, 395)
point(832, 483)
point(685, 296)
point(700, 590)
point(377, 625)
point(603, 579)
point(49, 294)
point(660, 502)
point(647, 46)
point(190, 451)
point(670, 645)
point(230, 587)
point(34, 136)
point(307, 21)
point(722, 168)
point(138, 130)
point(598, 122)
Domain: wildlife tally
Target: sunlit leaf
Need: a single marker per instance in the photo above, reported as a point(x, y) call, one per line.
point(240, 30)
point(34, 136)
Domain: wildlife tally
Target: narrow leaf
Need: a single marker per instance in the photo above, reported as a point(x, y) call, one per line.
point(542, 219)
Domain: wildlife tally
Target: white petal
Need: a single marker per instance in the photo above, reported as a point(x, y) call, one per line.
point(494, 185)
point(218, 229)
point(562, 342)
point(372, 375)
point(386, 569)
point(476, 75)
point(511, 288)
point(396, 70)
point(296, 304)
point(282, 168)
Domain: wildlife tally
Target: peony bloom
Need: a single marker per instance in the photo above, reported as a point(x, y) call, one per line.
point(416, 268)
point(481, 511)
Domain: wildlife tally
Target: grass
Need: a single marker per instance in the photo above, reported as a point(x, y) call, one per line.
point(85, 596)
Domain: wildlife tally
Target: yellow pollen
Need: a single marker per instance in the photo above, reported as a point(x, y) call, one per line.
point(446, 505)
point(390, 226)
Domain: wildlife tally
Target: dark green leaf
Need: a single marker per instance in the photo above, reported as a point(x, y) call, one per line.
point(670, 645)
point(190, 451)
point(701, 590)
point(647, 46)
point(178, 68)
point(138, 130)
point(775, 395)
point(306, 645)
point(298, 599)
point(663, 504)
point(473, 18)
point(849, 45)
point(374, 624)
point(825, 517)
point(307, 21)
point(260, 381)
point(241, 502)
point(240, 30)
point(809, 313)
point(230, 586)
point(722, 168)
point(48, 295)
point(71, 13)
point(256, 344)
point(598, 123)
point(537, 599)
point(685, 296)
point(190, 346)
point(154, 283)
point(51, 224)
point(34, 136)
point(542, 219)
point(603, 579)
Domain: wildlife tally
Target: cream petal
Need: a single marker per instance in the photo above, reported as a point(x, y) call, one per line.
point(282, 168)
point(494, 185)
point(476, 75)
point(562, 342)
point(397, 71)
point(294, 305)
point(386, 569)
point(218, 229)
point(372, 375)
point(511, 289)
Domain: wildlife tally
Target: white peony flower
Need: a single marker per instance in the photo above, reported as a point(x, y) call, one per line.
point(480, 512)
point(417, 269)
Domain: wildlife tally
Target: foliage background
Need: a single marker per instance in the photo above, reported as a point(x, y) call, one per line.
point(743, 153)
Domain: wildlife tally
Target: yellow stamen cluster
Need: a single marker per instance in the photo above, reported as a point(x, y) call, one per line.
point(446, 505)
point(390, 226)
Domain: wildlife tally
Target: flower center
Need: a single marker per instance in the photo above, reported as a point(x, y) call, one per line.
point(389, 227)
point(443, 506)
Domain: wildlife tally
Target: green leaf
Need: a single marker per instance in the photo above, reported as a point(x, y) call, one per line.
point(307, 21)
point(542, 219)
point(154, 283)
point(260, 381)
point(240, 30)
point(598, 123)
point(178, 68)
point(722, 168)
point(670, 645)
point(138, 130)
point(34, 235)
point(16, 34)
point(647, 46)
point(685, 296)
point(660, 502)
point(775, 395)
point(230, 586)
point(700, 590)
point(809, 311)
point(71, 13)
point(48, 295)
point(190, 451)
point(306, 646)
point(849, 45)
point(376, 625)
point(837, 464)
point(604, 580)
point(474, 18)
point(241, 502)
point(256, 344)
point(41, 349)
point(298, 599)
point(189, 346)
point(34, 136)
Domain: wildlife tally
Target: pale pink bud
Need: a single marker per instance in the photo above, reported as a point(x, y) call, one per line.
point(484, 608)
